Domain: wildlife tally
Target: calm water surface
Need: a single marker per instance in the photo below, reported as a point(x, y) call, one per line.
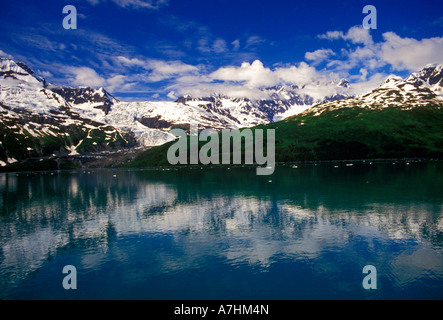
point(302, 233)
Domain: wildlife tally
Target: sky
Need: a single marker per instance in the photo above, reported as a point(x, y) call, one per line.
point(162, 49)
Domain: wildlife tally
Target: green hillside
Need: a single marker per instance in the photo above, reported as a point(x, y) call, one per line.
point(346, 134)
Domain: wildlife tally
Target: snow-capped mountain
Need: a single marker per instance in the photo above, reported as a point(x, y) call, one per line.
point(40, 119)
point(430, 77)
point(150, 122)
point(402, 118)
point(36, 121)
point(98, 99)
point(421, 88)
point(281, 102)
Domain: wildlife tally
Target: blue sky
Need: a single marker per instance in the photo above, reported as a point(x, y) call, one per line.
point(161, 49)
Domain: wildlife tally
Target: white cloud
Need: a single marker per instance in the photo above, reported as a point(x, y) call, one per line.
point(171, 95)
point(45, 74)
point(364, 86)
point(131, 62)
point(254, 40)
point(159, 69)
point(148, 4)
point(248, 79)
point(207, 46)
point(252, 75)
point(84, 76)
point(116, 82)
point(219, 46)
point(401, 54)
point(356, 34)
point(363, 61)
point(410, 54)
point(300, 75)
point(203, 45)
point(207, 89)
point(331, 35)
point(364, 74)
point(319, 55)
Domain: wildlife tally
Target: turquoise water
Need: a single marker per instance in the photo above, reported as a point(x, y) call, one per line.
point(214, 233)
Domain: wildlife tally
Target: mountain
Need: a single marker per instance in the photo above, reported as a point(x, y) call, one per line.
point(40, 119)
point(400, 118)
point(419, 89)
point(280, 102)
point(38, 122)
point(100, 99)
point(151, 122)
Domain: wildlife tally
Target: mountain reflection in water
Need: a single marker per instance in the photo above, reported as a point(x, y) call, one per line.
point(195, 233)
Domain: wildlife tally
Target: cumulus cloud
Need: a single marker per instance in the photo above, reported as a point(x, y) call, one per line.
point(84, 76)
point(209, 88)
point(256, 75)
point(401, 54)
point(331, 35)
point(248, 80)
point(411, 54)
point(363, 84)
point(159, 69)
point(252, 75)
point(300, 75)
point(116, 82)
point(363, 61)
point(319, 55)
point(133, 74)
point(356, 34)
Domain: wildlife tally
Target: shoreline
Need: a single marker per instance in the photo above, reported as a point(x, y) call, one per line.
point(45, 167)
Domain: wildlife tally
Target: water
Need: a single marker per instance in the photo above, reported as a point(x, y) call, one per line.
point(302, 233)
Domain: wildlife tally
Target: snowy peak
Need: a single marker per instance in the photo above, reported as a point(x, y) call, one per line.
point(430, 77)
point(95, 98)
point(423, 88)
point(275, 103)
point(24, 98)
point(12, 70)
point(391, 81)
point(344, 84)
point(8, 66)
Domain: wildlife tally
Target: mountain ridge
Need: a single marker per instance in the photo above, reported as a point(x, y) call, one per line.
point(41, 119)
point(402, 118)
